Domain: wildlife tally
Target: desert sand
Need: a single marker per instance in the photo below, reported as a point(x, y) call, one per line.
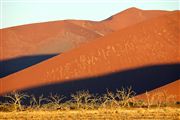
point(151, 42)
point(60, 36)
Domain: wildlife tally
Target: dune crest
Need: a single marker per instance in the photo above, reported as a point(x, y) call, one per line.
point(60, 36)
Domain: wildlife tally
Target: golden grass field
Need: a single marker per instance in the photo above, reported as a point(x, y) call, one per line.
point(101, 114)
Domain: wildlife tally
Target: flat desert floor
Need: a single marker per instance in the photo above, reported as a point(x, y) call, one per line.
point(102, 114)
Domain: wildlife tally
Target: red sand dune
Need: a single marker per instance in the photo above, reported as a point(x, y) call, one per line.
point(152, 42)
point(60, 36)
point(121, 20)
point(42, 38)
point(172, 91)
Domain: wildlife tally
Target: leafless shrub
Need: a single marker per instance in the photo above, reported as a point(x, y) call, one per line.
point(82, 100)
point(125, 95)
point(36, 102)
point(109, 100)
point(159, 99)
point(55, 101)
point(149, 100)
point(121, 98)
point(15, 100)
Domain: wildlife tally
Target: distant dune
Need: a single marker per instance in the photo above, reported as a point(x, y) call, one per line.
point(153, 42)
point(120, 20)
point(60, 36)
point(42, 38)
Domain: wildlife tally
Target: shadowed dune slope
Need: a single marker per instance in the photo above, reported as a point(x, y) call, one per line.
point(151, 42)
point(59, 36)
point(16, 64)
point(141, 79)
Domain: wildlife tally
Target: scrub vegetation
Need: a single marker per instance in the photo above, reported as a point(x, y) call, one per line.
point(121, 104)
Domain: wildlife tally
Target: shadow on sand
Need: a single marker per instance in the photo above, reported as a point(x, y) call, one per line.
point(140, 79)
point(16, 64)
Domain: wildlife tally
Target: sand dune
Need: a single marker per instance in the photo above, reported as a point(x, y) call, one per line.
point(42, 38)
point(120, 20)
point(171, 91)
point(152, 42)
point(59, 36)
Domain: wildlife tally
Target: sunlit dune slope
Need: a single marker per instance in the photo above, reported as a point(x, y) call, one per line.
point(42, 38)
point(170, 92)
point(59, 36)
point(120, 20)
point(151, 42)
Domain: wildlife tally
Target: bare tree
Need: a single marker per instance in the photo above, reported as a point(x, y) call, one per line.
point(16, 98)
